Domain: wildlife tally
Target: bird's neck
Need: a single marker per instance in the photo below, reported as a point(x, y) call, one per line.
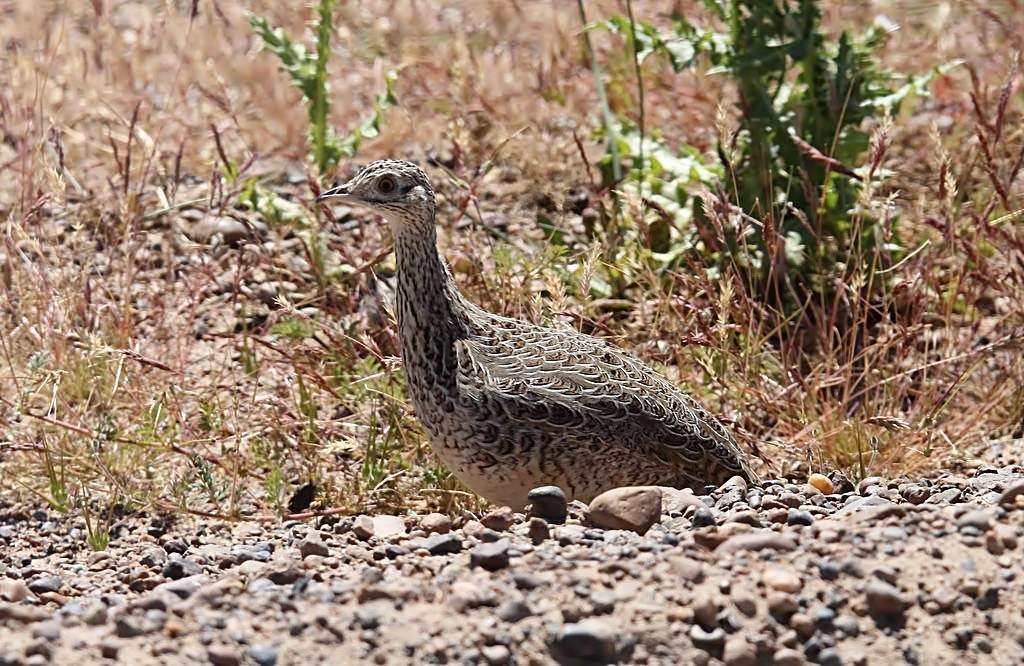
point(431, 312)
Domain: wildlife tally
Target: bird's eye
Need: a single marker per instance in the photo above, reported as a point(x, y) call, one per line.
point(386, 185)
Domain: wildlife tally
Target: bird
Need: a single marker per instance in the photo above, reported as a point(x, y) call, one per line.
point(509, 406)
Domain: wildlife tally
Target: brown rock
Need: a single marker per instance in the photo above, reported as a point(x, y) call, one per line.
point(757, 540)
point(435, 523)
point(705, 608)
point(220, 655)
point(538, 531)
point(821, 483)
point(313, 545)
point(884, 599)
point(499, 520)
point(631, 508)
point(781, 604)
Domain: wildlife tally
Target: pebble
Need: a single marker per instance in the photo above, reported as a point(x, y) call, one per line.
point(884, 599)
point(313, 545)
point(490, 556)
point(739, 652)
point(783, 580)
point(110, 648)
point(44, 585)
point(705, 609)
point(128, 627)
point(847, 624)
point(756, 541)
point(781, 604)
point(499, 520)
point(210, 229)
point(703, 517)
point(688, 568)
point(549, 503)
point(706, 639)
point(514, 610)
point(538, 531)
point(263, 655)
point(829, 657)
point(797, 517)
point(385, 526)
point(979, 519)
point(821, 483)
point(914, 493)
point(588, 641)
point(443, 544)
point(181, 568)
point(436, 523)
point(496, 655)
point(828, 570)
point(864, 487)
point(634, 508)
point(1009, 496)
point(220, 655)
point(48, 630)
point(363, 527)
point(675, 501)
point(182, 588)
point(13, 590)
point(948, 496)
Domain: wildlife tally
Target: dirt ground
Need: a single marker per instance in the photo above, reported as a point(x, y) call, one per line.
point(893, 571)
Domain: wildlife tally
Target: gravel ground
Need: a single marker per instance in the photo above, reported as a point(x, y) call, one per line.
point(892, 571)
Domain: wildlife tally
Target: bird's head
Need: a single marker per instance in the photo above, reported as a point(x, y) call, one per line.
point(399, 191)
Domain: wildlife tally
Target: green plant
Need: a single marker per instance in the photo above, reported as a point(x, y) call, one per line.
point(97, 528)
point(791, 214)
point(308, 72)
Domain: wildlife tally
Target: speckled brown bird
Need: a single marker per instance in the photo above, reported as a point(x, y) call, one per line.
point(509, 405)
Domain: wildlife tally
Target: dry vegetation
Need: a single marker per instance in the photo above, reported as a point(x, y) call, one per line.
point(145, 365)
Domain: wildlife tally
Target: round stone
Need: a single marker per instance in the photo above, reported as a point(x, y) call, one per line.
point(263, 655)
point(549, 503)
point(631, 508)
point(821, 483)
point(884, 599)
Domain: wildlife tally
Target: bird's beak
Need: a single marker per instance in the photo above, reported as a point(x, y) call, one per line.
point(338, 192)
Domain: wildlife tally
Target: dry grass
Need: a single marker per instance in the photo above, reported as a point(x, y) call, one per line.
point(141, 369)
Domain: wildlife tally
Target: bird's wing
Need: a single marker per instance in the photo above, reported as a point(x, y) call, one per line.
point(568, 379)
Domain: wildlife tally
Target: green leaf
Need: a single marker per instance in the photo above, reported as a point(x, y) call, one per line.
point(370, 127)
point(308, 72)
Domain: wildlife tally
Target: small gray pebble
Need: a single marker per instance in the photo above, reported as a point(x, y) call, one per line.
point(45, 584)
point(263, 655)
point(797, 517)
point(492, 556)
point(443, 544)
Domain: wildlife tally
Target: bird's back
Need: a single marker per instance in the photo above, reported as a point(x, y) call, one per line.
point(572, 408)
